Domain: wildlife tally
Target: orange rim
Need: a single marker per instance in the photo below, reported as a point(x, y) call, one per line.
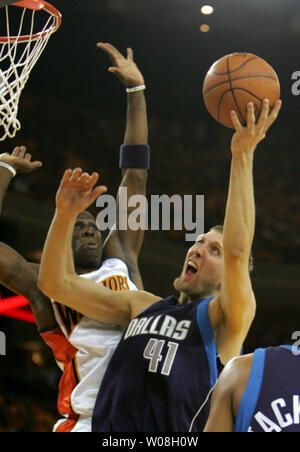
point(39, 6)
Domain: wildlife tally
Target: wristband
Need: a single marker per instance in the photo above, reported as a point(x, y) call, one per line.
point(135, 156)
point(9, 168)
point(135, 89)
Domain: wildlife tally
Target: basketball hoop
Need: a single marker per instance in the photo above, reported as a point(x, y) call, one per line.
point(28, 29)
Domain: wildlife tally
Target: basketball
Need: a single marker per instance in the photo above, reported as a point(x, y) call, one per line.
point(235, 80)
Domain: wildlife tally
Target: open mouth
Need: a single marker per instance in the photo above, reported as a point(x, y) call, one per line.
point(191, 269)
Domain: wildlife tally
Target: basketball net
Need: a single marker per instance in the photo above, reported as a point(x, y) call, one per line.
point(19, 52)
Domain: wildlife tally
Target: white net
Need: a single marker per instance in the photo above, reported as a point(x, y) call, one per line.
point(18, 55)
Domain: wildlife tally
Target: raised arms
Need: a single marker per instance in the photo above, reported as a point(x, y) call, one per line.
point(58, 279)
point(10, 164)
point(21, 277)
point(126, 244)
point(16, 273)
point(232, 312)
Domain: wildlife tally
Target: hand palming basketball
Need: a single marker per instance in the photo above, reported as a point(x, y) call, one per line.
point(235, 80)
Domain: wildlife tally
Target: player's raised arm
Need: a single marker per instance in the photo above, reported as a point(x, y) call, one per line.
point(58, 279)
point(134, 157)
point(16, 273)
point(11, 164)
point(233, 311)
point(20, 276)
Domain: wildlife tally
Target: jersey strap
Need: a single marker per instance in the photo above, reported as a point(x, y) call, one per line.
point(208, 338)
point(251, 394)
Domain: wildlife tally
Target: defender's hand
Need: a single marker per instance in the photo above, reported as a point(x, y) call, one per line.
point(124, 68)
point(247, 138)
point(77, 191)
point(20, 160)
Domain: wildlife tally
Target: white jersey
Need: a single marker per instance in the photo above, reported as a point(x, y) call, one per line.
point(83, 347)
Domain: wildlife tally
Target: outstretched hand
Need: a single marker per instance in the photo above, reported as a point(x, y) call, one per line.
point(77, 191)
point(247, 138)
point(20, 160)
point(124, 68)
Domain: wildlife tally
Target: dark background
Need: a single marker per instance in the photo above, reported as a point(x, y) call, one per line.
point(73, 114)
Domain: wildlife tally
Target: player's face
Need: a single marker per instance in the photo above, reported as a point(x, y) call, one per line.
point(202, 269)
point(87, 242)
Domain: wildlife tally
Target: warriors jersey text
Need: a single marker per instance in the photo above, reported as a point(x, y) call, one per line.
point(83, 347)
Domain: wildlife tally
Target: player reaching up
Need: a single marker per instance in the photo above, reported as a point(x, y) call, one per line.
point(15, 272)
point(83, 346)
point(19, 161)
point(165, 366)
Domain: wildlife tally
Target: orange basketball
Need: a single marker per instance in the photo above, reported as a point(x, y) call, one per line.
point(235, 80)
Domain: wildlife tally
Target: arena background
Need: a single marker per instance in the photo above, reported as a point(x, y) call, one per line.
point(73, 114)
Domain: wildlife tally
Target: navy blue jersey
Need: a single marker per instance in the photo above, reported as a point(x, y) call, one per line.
point(161, 374)
point(271, 402)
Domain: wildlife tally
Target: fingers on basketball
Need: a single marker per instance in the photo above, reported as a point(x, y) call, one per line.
point(263, 117)
point(236, 79)
point(235, 121)
point(275, 111)
point(272, 116)
point(250, 118)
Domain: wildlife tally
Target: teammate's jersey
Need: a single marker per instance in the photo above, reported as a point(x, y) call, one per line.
point(271, 402)
point(161, 374)
point(83, 347)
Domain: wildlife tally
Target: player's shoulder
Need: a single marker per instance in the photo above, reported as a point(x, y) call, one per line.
point(238, 369)
point(234, 378)
point(242, 363)
point(109, 266)
point(143, 302)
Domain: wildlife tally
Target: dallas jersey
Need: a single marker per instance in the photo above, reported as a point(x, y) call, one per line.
point(83, 347)
point(271, 402)
point(162, 372)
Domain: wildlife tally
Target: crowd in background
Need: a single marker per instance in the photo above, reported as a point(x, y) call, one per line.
point(25, 414)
